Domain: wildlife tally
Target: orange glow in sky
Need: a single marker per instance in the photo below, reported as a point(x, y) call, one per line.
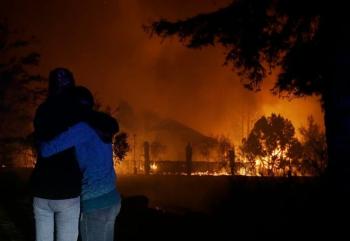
point(104, 44)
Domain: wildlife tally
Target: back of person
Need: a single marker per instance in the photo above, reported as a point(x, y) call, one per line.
point(56, 180)
point(96, 163)
point(56, 177)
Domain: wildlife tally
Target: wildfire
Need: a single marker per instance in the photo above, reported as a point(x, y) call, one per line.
point(154, 167)
point(276, 164)
point(222, 172)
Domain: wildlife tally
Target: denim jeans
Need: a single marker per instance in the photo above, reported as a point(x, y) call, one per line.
point(98, 225)
point(60, 217)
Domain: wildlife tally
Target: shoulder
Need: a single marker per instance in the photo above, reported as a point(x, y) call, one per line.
point(81, 126)
point(46, 109)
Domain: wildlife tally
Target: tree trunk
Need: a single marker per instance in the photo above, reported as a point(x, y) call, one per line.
point(337, 122)
point(336, 97)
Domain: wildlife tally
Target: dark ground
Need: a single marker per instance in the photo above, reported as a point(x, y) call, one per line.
point(201, 208)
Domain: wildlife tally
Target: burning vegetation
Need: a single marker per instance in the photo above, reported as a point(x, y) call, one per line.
point(270, 149)
point(149, 144)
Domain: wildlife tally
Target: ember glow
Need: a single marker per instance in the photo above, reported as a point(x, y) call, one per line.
point(222, 172)
point(154, 167)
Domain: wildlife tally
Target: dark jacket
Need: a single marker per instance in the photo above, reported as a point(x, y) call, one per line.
point(59, 176)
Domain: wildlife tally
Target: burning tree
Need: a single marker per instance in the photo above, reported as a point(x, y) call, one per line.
point(271, 145)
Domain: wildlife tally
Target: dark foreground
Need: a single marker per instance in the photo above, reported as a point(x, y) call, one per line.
point(201, 208)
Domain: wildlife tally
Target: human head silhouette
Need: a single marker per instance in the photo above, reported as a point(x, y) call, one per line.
point(60, 79)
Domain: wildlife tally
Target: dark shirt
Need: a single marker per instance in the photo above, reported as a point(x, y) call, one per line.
point(58, 176)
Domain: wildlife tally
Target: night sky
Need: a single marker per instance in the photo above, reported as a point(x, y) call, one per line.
point(104, 44)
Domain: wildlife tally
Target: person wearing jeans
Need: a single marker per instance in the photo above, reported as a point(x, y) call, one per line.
point(98, 225)
point(62, 214)
point(92, 140)
point(56, 180)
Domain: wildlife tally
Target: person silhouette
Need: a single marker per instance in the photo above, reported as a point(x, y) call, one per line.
point(56, 180)
point(92, 139)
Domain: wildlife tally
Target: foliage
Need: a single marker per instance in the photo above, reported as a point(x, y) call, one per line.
point(20, 91)
point(272, 144)
point(260, 36)
point(314, 147)
point(120, 145)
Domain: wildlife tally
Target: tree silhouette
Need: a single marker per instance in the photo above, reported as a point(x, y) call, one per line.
point(20, 92)
point(306, 40)
point(120, 145)
point(272, 145)
point(314, 147)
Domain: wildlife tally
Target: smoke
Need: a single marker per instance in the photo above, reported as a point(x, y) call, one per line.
point(191, 86)
point(104, 44)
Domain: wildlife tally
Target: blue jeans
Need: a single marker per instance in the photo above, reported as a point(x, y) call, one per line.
point(98, 225)
point(56, 216)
